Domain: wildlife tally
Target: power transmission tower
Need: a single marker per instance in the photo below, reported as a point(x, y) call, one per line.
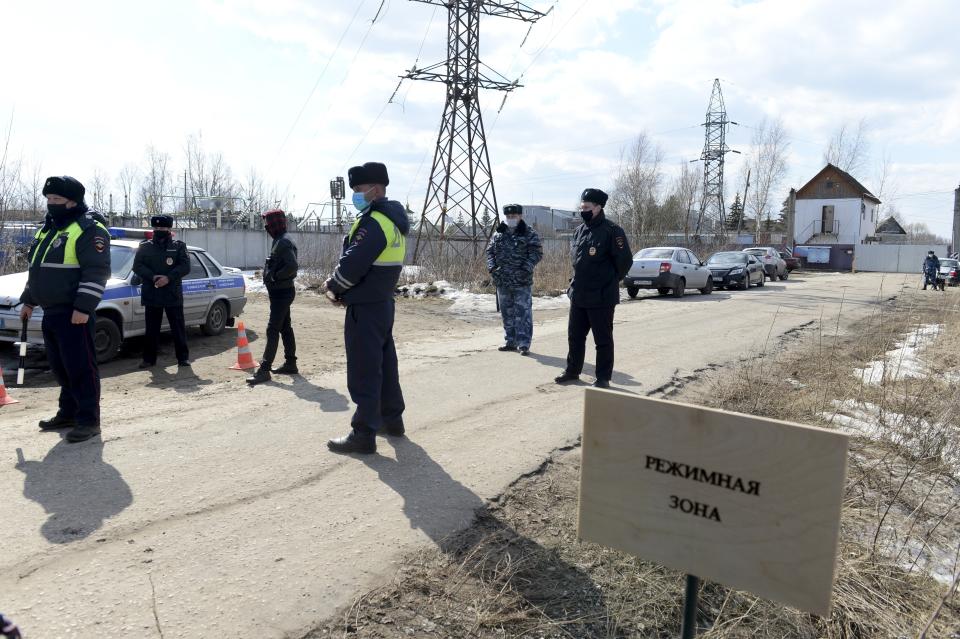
point(461, 182)
point(714, 149)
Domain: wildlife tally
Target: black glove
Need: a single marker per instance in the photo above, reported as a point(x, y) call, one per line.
point(8, 629)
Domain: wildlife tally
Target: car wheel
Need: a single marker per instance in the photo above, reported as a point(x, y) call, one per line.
point(706, 290)
point(745, 283)
point(679, 287)
point(106, 339)
point(663, 291)
point(785, 275)
point(632, 291)
point(762, 281)
point(216, 319)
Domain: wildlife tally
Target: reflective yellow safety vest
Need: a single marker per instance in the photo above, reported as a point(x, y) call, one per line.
point(396, 249)
point(70, 235)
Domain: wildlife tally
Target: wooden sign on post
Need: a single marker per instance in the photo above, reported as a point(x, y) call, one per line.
point(748, 502)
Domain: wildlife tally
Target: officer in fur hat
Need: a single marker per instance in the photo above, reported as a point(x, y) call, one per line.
point(601, 258)
point(364, 282)
point(162, 263)
point(69, 267)
point(512, 254)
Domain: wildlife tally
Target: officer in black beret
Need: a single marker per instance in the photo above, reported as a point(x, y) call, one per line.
point(162, 263)
point(601, 258)
point(364, 281)
point(69, 267)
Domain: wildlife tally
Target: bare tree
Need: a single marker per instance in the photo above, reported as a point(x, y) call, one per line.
point(98, 190)
point(887, 186)
point(156, 180)
point(636, 189)
point(768, 165)
point(127, 179)
point(849, 147)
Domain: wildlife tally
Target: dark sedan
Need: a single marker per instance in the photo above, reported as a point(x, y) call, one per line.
point(793, 263)
point(735, 269)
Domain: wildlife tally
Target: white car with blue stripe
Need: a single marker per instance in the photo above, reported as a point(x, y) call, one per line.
point(213, 295)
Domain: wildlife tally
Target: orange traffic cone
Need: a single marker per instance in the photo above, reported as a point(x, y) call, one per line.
point(4, 398)
point(245, 359)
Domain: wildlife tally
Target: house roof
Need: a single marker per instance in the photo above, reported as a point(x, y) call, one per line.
point(846, 177)
point(890, 226)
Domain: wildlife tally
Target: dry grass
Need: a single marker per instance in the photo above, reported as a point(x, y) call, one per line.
point(520, 572)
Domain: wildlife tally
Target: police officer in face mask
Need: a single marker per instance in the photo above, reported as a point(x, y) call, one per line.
point(69, 267)
point(162, 263)
point(601, 258)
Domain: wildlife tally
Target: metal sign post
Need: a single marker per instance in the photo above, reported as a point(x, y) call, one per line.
point(691, 601)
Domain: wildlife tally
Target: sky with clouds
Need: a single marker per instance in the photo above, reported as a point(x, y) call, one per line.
point(299, 89)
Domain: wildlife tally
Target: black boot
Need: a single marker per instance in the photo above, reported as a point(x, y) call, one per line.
point(394, 427)
point(566, 377)
point(288, 368)
point(356, 442)
point(507, 347)
point(602, 383)
point(261, 376)
point(56, 423)
point(82, 433)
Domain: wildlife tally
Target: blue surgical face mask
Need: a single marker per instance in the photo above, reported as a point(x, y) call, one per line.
point(360, 201)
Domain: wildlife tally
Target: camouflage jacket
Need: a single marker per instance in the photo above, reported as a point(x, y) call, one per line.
point(512, 255)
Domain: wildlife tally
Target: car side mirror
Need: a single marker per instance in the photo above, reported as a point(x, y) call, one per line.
point(136, 280)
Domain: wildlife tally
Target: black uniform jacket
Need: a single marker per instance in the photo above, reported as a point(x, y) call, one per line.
point(168, 257)
point(601, 258)
point(281, 268)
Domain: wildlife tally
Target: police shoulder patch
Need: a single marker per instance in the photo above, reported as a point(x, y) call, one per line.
point(620, 241)
point(359, 235)
point(100, 244)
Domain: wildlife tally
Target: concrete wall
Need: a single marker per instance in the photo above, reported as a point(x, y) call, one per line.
point(249, 249)
point(894, 258)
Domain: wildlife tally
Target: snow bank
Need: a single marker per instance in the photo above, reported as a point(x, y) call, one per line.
point(904, 360)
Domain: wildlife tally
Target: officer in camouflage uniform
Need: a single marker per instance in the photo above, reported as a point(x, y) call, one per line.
point(512, 254)
point(69, 267)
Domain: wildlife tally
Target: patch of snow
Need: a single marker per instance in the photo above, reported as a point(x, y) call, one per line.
point(254, 281)
point(466, 302)
point(904, 360)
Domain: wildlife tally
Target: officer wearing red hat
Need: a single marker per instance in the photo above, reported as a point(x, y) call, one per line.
point(279, 274)
point(162, 263)
point(364, 281)
point(69, 267)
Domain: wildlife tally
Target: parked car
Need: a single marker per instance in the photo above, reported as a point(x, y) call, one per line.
point(793, 263)
point(773, 264)
point(213, 295)
point(668, 269)
point(950, 271)
point(735, 269)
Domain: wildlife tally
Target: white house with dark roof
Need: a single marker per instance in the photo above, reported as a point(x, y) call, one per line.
point(834, 208)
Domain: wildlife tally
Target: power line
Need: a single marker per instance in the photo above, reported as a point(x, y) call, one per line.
point(316, 84)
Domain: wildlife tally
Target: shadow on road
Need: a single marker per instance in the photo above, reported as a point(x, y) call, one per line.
point(465, 529)
point(560, 363)
point(77, 489)
point(330, 400)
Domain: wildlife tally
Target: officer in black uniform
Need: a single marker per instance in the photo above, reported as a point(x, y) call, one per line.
point(69, 267)
point(364, 281)
point(279, 274)
point(601, 258)
point(162, 263)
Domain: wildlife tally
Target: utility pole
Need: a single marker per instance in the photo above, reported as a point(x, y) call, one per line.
point(743, 213)
point(714, 149)
point(461, 182)
point(337, 192)
point(956, 221)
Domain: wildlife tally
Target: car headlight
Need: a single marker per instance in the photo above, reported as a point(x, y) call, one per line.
point(736, 271)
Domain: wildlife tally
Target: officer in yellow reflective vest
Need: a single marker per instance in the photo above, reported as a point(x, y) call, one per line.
point(364, 282)
point(69, 267)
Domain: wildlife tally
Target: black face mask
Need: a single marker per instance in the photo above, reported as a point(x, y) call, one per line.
point(587, 216)
point(161, 236)
point(60, 213)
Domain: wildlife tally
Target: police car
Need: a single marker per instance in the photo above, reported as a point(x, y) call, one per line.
point(213, 295)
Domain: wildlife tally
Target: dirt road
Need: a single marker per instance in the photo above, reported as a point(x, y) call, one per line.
point(210, 509)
